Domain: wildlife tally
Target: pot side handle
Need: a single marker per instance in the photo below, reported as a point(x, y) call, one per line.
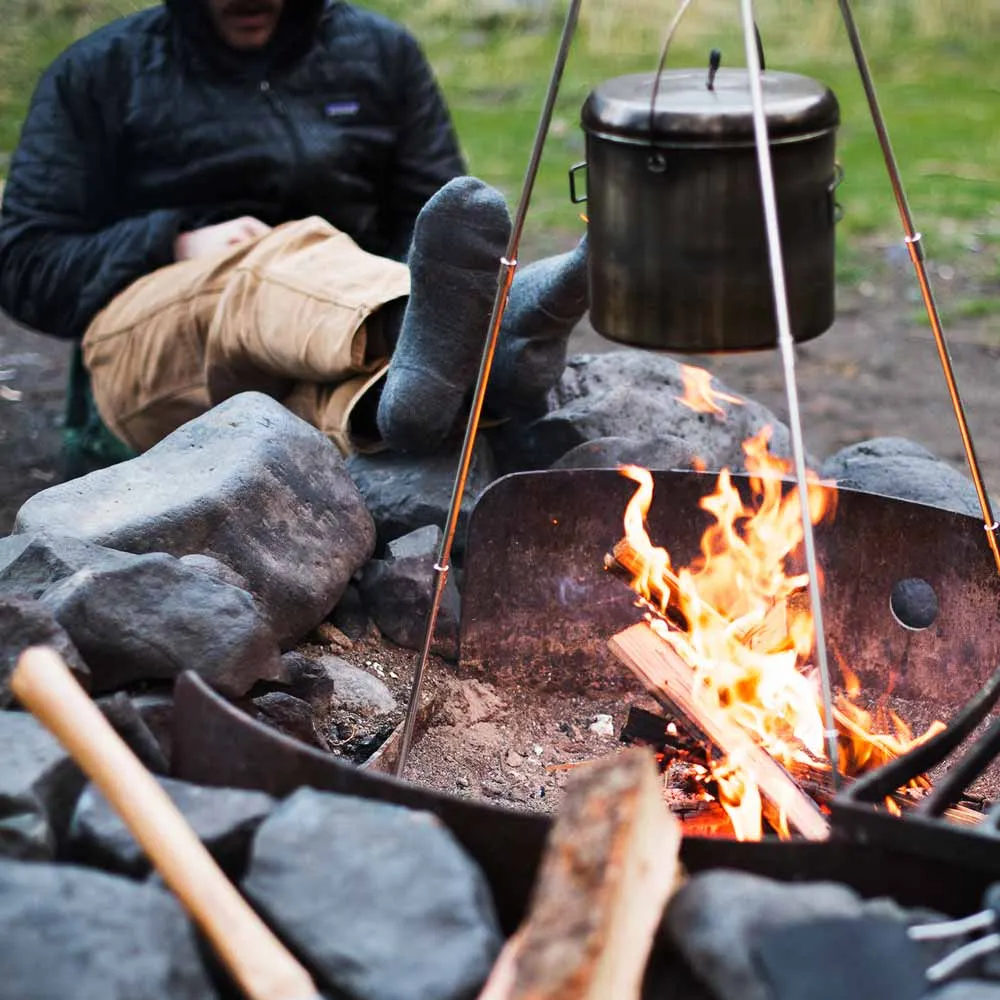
point(574, 196)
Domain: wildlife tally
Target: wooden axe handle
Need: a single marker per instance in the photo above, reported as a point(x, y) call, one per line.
point(258, 961)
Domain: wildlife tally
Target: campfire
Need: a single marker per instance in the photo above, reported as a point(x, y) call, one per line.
point(728, 643)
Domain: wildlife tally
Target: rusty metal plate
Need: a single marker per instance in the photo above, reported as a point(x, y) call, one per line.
point(538, 606)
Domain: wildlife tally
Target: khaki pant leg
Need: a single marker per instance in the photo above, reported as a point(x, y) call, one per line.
point(145, 351)
point(295, 306)
point(290, 305)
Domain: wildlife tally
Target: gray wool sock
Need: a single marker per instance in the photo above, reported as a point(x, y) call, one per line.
point(459, 238)
point(547, 299)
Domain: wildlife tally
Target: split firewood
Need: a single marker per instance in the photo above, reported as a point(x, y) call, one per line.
point(772, 633)
point(625, 562)
point(669, 679)
point(610, 866)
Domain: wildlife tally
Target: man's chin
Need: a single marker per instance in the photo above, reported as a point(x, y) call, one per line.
point(248, 36)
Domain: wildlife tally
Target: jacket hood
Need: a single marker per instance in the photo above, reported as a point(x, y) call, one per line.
point(295, 32)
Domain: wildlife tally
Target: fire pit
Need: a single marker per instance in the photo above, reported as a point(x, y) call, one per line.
point(539, 609)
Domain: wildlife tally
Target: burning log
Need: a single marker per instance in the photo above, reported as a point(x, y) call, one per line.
point(625, 562)
point(660, 734)
point(668, 678)
point(608, 870)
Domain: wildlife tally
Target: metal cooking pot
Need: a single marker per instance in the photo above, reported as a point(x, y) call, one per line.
point(678, 255)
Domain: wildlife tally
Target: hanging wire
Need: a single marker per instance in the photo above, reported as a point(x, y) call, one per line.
point(668, 38)
point(786, 346)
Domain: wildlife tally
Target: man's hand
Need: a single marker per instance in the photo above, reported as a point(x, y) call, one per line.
point(216, 239)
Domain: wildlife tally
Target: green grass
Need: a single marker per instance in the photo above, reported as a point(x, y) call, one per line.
point(934, 63)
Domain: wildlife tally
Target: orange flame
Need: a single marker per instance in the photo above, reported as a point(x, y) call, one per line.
point(749, 634)
point(699, 394)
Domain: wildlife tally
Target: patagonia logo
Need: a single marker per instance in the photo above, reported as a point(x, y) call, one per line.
point(341, 109)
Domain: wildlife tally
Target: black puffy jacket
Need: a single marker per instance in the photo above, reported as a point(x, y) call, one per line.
point(152, 126)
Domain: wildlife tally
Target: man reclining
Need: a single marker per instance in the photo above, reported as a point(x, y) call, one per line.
point(222, 195)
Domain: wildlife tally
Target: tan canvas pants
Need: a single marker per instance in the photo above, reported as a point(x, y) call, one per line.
point(287, 312)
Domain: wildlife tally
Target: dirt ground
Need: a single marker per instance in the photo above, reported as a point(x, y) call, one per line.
point(876, 372)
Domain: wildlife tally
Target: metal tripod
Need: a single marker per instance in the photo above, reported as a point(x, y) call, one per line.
point(786, 345)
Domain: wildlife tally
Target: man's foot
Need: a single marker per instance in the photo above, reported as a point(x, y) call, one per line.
point(458, 241)
point(547, 299)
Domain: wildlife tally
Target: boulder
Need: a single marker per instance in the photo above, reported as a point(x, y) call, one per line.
point(23, 623)
point(716, 919)
point(328, 682)
point(39, 786)
point(140, 618)
point(225, 820)
point(398, 591)
point(291, 715)
point(380, 901)
point(247, 483)
point(897, 467)
point(634, 396)
point(611, 452)
point(31, 564)
point(67, 932)
point(406, 492)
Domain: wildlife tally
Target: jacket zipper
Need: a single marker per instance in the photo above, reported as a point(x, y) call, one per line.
point(281, 109)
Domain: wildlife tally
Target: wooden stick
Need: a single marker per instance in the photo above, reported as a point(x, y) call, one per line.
point(609, 867)
point(667, 676)
point(258, 961)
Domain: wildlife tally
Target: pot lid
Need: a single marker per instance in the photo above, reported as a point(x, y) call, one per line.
point(687, 111)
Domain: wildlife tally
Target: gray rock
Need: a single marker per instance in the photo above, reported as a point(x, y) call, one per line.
point(609, 453)
point(328, 682)
point(67, 932)
point(150, 617)
point(966, 989)
point(897, 467)
point(39, 786)
point(307, 678)
point(380, 901)
point(407, 492)
point(291, 715)
point(157, 711)
point(356, 690)
point(31, 564)
point(635, 396)
point(132, 727)
point(717, 917)
point(248, 483)
point(398, 591)
point(350, 615)
point(23, 623)
point(215, 568)
point(225, 820)
point(141, 617)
